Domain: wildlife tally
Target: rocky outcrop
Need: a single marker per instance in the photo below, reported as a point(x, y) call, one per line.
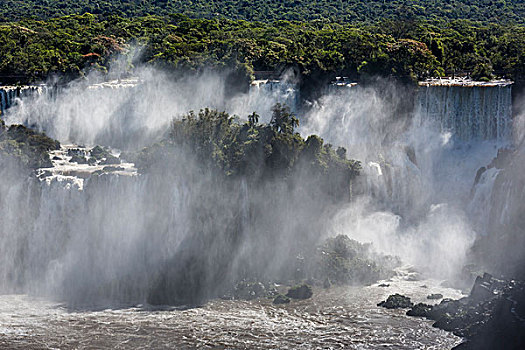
point(491, 317)
point(249, 290)
point(302, 291)
point(281, 299)
point(396, 301)
point(435, 296)
point(419, 310)
point(29, 147)
point(342, 260)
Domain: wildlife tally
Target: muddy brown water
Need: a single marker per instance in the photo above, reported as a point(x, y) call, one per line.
point(338, 318)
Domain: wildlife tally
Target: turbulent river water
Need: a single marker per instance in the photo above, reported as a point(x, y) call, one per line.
point(338, 318)
point(420, 203)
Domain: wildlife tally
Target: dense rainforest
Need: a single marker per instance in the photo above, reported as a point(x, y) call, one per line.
point(257, 151)
point(32, 49)
point(341, 11)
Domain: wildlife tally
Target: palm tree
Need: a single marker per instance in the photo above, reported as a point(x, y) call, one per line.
point(283, 121)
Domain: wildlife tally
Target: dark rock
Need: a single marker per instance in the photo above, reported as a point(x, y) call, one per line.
point(396, 301)
point(447, 306)
point(419, 310)
point(57, 158)
point(72, 152)
point(479, 173)
point(384, 285)
point(486, 287)
point(249, 290)
point(78, 159)
point(491, 317)
point(302, 291)
point(435, 296)
point(113, 168)
point(92, 161)
point(110, 160)
point(281, 299)
point(98, 153)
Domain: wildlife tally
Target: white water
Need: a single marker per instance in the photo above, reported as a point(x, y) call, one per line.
point(420, 172)
point(10, 95)
point(338, 318)
point(470, 113)
point(132, 113)
point(105, 245)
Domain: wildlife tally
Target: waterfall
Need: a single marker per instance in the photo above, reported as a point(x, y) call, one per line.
point(131, 113)
point(469, 111)
point(420, 166)
point(9, 95)
point(265, 93)
point(87, 234)
point(112, 235)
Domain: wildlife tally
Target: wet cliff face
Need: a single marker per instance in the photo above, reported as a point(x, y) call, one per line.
point(500, 249)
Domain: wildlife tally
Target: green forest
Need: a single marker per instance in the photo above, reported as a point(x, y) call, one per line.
point(341, 11)
point(255, 150)
point(32, 49)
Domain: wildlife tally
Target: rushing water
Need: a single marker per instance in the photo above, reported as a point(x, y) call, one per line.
point(10, 95)
point(336, 318)
point(102, 240)
point(470, 113)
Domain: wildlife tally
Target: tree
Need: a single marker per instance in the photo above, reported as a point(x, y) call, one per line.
point(283, 121)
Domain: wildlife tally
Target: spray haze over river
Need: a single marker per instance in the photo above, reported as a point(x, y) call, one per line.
point(78, 262)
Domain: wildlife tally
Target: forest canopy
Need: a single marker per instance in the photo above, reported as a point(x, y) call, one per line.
point(71, 45)
point(341, 11)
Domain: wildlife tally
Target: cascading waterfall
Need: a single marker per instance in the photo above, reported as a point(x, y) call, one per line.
point(478, 115)
point(498, 198)
point(420, 169)
point(274, 91)
point(99, 234)
point(417, 183)
point(131, 113)
point(9, 95)
point(470, 111)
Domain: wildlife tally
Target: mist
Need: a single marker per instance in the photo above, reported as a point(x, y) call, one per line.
point(180, 233)
point(417, 200)
point(166, 236)
point(134, 112)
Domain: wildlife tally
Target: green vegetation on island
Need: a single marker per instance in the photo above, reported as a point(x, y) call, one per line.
point(28, 147)
point(257, 151)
